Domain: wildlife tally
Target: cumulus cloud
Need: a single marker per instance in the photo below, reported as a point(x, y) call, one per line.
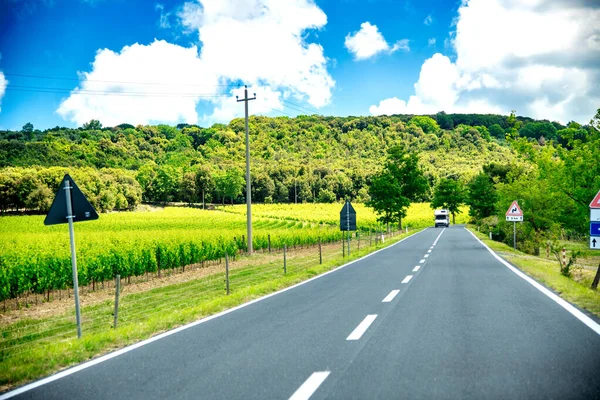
point(431, 42)
point(546, 66)
point(259, 42)
point(428, 20)
point(3, 84)
point(368, 42)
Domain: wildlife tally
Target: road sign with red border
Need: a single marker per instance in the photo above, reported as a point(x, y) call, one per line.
point(596, 202)
point(514, 213)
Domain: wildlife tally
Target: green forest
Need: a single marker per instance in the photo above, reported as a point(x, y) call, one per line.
point(486, 161)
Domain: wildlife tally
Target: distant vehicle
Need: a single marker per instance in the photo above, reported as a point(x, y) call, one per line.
point(442, 218)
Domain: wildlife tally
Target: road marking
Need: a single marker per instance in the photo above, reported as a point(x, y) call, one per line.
point(127, 349)
point(390, 296)
point(422, 261)
point(415, 269)
point(561, 302)
point(407, 279)
point(310, 385)
point(426, 255)
point(362, 327)
point(429, 251)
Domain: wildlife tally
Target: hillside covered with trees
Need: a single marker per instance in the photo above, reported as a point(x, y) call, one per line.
point(303, 159)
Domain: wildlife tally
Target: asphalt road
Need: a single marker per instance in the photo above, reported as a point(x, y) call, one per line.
point(464, 326)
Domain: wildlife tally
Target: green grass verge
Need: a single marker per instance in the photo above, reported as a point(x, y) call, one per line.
point(546, 271)
point(33, 348)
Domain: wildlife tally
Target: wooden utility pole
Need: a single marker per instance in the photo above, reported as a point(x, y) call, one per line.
point(248, 195)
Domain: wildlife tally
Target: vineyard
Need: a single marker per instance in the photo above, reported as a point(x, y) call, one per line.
point(35, 258)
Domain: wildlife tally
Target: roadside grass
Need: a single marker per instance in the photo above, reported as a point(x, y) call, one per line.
point(546, 270)
point(32, 348)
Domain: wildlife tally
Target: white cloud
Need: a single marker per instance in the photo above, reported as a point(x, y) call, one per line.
point(368, 42)
point(428, 20)
point(546, 66)
point(431, 42)
point(100, 96)
point(3, 84)
point(163, 20)
point(259, 42)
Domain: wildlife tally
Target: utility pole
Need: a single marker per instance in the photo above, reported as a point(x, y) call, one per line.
point(248, 196)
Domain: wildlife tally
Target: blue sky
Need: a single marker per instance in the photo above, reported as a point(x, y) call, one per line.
point(337, 57)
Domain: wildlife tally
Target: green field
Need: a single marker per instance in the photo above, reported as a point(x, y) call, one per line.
point(35, 258)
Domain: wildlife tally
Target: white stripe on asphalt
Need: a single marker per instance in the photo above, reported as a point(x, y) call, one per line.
point(422, 261)
point(561, 302)
point(127, 349)
point(429, 251)
point(415, 269)
point(390, 296)
point(426, 255)
point(362, 327)
point(310, 386)
point(407, 279)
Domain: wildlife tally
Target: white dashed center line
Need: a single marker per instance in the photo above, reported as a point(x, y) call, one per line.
point(422, 261)
point(390, 296)
point(362, 327)
point(407, 279)
point(426, 255)
point(310, 386)
point(415, 269)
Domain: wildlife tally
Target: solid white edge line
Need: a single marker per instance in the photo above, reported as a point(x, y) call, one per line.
point(362, 327)
point(560, 301)
point(415, 269)
point(407, 279)
point(390, 296)
point(310, 385)
point(127, 349)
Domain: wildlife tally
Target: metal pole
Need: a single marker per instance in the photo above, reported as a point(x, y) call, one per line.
point(514, 235)
point(348, 225)
point(117, 291)
point(248, 193)
point(284, 259)
point(227, 272)
point(70, 217)
point(269, 240)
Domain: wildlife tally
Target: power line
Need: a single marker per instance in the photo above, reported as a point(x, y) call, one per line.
point(35, 89)
point(121, 82)
point(305, 108)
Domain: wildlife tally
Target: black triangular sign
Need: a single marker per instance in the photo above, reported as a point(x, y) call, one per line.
point(82, 209)
point(347, 218)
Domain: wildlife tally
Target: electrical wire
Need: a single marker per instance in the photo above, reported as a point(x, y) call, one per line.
point(121, 82)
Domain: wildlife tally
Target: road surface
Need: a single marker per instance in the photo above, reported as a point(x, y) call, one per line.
point(435, 316)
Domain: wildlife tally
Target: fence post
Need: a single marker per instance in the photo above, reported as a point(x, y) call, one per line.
point(320, 252)
point(564, 257)
point(269, 240)
point(285, 259)
point(490, 235)
point(227, 273)
point(117, 290)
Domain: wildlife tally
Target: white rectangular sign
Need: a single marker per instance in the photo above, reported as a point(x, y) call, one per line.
point(594, 214)
point(595, 242)
point(514, 218)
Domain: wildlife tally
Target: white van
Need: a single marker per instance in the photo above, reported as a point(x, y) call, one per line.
point(442, 218)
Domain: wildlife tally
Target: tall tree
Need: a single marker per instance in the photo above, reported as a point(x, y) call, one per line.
point(204, 182)
point(393, 189)
point(481, 196)
point(449, 194)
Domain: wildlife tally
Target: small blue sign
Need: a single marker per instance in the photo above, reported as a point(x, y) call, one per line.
point(594, 228)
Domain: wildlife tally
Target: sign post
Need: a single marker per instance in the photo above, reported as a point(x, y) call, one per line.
point(69, 206)
point(595, 223)
point(515, 215)
point(348, 221)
